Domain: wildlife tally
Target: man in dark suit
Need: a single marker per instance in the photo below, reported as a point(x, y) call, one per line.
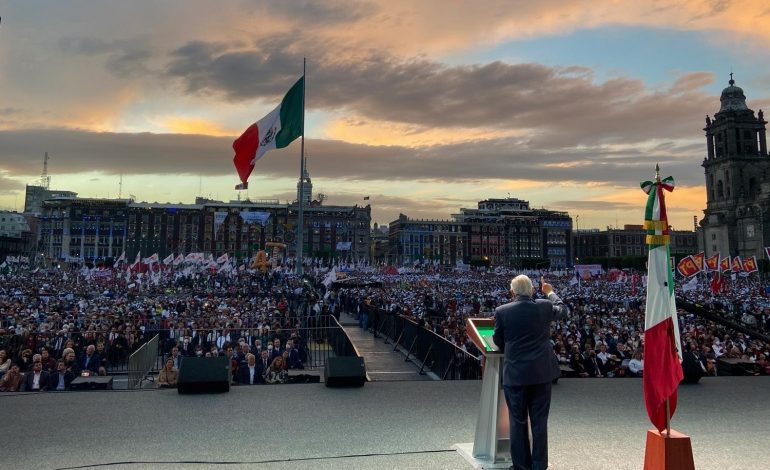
point(36, 380)
point(251, 373)
point(91, 361)
point(61, 379)
point(522, 330)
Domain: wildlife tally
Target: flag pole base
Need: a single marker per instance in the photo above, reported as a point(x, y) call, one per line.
point(668, 451)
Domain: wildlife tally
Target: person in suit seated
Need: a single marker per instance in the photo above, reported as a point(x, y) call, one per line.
point(60, 380)
point(91, 361)
point(175, 357)
point(295, 361)
point(251, 373)
point(692, 366)
point(593, 365)
point(276, 350)
point(264, 361)
point(37, 379)
point(522, 332)
point(168, 376)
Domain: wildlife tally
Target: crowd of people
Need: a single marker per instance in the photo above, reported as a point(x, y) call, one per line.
point(57, 325)
point(55, 321)
point(604, 333)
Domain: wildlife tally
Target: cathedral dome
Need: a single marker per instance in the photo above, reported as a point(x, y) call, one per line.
point(732, 98)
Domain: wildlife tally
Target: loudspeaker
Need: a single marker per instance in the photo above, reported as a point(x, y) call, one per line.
point(93, 382)
point(345, 372)
point(204, 375)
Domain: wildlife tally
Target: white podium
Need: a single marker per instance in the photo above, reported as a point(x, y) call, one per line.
point(491, 446)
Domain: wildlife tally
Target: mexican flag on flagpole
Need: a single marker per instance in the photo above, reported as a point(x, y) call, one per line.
point(276, 130)
point(662, 355)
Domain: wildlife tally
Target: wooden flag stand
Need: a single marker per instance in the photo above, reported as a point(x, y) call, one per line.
point(669, 449)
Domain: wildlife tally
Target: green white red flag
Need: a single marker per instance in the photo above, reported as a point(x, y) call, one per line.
point(276, 130)
point(662, 356)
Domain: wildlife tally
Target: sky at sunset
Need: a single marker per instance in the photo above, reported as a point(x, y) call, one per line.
point(424, 106)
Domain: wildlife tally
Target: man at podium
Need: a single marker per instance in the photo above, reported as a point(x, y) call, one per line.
point(522, 330)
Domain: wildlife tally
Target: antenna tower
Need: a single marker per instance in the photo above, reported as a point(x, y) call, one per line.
point(45, 180)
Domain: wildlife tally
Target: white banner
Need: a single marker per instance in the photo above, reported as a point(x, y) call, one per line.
point(252, 217)
point(219, 218)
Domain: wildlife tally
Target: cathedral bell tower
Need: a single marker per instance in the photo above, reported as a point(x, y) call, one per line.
point(737, 167)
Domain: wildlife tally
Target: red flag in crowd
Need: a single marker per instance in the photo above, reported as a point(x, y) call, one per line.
point(699, 260)
point(750, 264)
point(737, 265)
point(724, 265)
point(712, 263)
point(716, 283)
point(687, 267)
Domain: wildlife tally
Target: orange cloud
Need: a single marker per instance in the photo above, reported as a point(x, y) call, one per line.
point(192, 125)
point(372, 132)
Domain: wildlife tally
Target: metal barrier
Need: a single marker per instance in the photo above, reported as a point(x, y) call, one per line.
point(143, 361)
point(434, 352)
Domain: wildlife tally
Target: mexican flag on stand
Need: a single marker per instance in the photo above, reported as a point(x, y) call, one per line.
point(276, 130)
point(662, 357)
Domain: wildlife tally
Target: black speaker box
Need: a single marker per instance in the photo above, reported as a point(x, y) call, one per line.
point(204, 375)
point(345, 372)
point(94, 382)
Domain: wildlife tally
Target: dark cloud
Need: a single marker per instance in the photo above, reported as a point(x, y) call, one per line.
point(124, 59)
point(562, 105)
point(145, 153)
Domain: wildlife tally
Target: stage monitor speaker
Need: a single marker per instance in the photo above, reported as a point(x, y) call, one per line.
point(345, 372)
point(93, 382)
point(204, 375)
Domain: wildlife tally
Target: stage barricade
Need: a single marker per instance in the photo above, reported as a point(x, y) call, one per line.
point(143, 361)
point(432, 351)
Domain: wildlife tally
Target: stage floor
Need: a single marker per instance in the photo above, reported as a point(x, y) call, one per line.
point(595, 424)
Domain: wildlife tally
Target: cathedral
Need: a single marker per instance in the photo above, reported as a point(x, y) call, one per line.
point(737, 167)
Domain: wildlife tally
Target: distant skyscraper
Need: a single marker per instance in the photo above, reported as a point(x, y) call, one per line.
point(737, 168)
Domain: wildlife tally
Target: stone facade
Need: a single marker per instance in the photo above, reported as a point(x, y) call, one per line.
point(737, 170)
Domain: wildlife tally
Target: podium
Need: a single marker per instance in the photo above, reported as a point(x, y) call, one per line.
point(491, 446)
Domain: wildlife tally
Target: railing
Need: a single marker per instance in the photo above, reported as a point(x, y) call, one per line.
point(142, 362)
point(434, 352)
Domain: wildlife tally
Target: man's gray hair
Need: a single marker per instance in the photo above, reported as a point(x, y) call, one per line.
point(522, 285)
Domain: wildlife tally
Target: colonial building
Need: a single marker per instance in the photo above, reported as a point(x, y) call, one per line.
point(737, 168)
point(625, 242)
point(508, 232)
point(499, 232)
point(421, 240)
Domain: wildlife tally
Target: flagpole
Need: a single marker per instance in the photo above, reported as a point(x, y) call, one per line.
point(301, 195)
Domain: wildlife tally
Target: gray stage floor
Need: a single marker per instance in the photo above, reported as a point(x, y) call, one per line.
point(595, 425)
